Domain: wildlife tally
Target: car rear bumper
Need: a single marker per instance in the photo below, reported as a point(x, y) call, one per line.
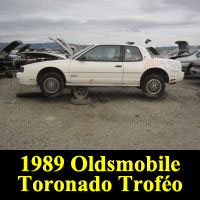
point(176, 78)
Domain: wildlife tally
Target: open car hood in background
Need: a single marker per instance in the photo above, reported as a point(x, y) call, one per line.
point(183, 50)
point(66, 47)
point(183, 47)
point(24, 47)
point(153, 51)
point(11, 46)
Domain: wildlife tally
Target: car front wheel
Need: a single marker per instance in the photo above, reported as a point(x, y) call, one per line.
point(153, 86)
point(51, 84)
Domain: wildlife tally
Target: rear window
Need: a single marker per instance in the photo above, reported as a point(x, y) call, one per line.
point(153, 52)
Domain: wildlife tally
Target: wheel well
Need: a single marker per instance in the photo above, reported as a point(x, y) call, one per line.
point(50, 69)
point(157, 71)
point(189, 67)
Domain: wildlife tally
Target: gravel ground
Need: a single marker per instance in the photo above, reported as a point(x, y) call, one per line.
point(117, 118)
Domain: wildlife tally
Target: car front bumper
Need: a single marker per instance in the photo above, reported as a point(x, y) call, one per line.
point(185, 66)
point(25, 80)
point(195, 71)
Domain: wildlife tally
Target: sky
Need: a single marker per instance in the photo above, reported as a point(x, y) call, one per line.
point(101, 21)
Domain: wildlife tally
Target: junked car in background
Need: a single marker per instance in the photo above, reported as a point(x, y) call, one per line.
point(11, 60)
point(44, 55)
point(185, 55)
point(16, 53)
point(7, 63)
point(195, 68)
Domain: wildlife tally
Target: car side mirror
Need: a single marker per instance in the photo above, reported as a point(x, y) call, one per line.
point(82, 58)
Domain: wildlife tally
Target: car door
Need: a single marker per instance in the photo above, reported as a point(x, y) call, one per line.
point(133, 65)
point(101, 65)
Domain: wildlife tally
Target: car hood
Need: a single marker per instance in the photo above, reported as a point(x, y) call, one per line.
point(51, 63)
point(43, 53)
point(66, 47)
point(24, 47)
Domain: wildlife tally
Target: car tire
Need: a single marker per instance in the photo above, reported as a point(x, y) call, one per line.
point(188, 69)
point(153, 86)
point(80, 92)
point(9, 75)
point(51, 84)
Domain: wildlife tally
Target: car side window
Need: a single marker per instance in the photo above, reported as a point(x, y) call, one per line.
point(132, 54)
point(198, 55)
point(104, 53)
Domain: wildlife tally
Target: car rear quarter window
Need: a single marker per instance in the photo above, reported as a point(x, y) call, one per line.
point(132, 54)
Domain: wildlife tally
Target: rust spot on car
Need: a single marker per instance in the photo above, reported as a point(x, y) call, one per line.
point(91, 81)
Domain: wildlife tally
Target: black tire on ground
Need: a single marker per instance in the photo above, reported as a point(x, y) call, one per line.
point(188, 69)
point(80, 92)
point(153, 86)
point(51, 84)
point(9, 75)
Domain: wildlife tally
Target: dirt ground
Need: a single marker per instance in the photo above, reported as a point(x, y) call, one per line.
point(117, 118)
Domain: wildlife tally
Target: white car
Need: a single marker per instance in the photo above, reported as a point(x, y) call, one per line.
point(104, 65)
point(187, 60)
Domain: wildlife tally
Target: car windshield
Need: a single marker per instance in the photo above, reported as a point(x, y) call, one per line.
point(81, 51)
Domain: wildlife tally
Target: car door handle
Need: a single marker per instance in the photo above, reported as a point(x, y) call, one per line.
point(118, 65)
